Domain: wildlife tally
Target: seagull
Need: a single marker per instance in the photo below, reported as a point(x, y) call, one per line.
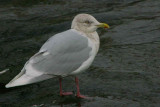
point(67, 53)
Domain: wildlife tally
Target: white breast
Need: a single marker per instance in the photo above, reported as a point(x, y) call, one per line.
point(94, 44)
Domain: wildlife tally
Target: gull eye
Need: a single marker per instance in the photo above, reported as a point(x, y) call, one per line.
point(88, 22)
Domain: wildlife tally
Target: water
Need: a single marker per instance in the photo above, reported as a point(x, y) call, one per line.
point(125, 72)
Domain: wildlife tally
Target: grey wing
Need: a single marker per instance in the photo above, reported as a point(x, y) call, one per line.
point(61, 54)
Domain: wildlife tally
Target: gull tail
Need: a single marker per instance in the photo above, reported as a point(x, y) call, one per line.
point(23, 79)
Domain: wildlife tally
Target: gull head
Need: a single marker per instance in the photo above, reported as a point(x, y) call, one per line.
point(86, 23)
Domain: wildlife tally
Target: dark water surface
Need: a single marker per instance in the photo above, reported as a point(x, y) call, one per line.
point(125, 73)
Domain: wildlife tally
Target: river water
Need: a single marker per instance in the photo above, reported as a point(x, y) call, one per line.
point(125, 73)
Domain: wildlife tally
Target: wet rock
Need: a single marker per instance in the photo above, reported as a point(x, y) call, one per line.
point(125, 72)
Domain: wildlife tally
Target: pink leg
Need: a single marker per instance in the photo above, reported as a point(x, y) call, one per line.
point(61, 91)
point(78, 91)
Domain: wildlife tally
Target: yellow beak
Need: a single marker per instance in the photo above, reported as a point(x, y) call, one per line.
point(104, 25)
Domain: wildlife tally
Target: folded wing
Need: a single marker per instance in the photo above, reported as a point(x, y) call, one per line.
point(60, 55)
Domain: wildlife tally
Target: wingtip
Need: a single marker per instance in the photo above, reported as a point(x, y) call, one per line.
point(7, 86)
